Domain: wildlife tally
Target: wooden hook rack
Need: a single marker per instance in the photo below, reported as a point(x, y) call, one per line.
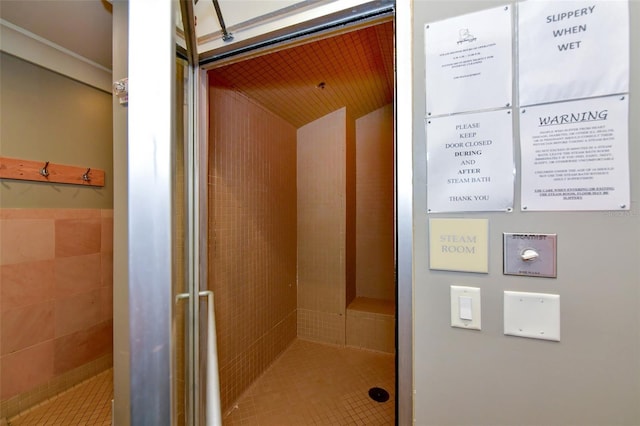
point(44, 171)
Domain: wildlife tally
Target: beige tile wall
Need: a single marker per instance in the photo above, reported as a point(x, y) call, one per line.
point(55, 294)
point(253, 203)
point(322, 227)
point(351, 209)
point(252, 245)
point(374, 223)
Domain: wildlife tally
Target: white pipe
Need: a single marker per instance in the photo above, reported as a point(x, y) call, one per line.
point(213, 412)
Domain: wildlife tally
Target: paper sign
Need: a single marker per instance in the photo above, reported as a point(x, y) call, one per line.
point(470, 163)
point(575, 155)
point(459, 245)
point(468, 62)
point(572, 50)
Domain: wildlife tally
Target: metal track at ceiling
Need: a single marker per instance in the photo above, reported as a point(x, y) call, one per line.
point(359, 14)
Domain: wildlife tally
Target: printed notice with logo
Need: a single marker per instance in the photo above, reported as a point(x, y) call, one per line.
point(468, 62)
point(470, 162)
point(572, 50)
point(575, 155)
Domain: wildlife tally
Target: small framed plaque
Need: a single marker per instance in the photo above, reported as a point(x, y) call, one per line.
point(459, 245)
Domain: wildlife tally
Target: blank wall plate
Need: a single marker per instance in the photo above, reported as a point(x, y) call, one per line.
point(465, 307)
point(533, 315)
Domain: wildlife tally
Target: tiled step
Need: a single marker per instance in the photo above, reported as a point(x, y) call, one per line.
point(371, 324)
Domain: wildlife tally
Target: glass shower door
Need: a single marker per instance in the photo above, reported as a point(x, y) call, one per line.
point(199, 400)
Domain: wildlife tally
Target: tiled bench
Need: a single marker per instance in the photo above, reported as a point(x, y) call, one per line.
point(371, 324)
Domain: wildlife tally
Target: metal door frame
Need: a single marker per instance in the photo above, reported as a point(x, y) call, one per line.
point(151, 127)
point(151, 121)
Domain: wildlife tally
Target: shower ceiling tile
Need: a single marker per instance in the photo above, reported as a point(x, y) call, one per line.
point(355, 67)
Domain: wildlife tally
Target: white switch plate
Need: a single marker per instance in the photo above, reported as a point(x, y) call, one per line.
point(467, 292)
point(533, 315)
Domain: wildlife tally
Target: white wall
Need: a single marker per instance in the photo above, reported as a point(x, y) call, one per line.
point(591, 377)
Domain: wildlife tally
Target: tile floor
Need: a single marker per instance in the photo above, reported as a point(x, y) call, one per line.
point(86, 404)
point(317, 384)
point(309, 384)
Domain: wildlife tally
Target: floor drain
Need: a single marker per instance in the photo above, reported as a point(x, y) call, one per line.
point(379, 394)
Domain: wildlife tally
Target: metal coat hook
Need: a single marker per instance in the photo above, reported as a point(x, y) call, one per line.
point(49, 172)
point(43, 171)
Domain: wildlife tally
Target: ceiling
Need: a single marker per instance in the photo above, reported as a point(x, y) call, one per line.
point(356, 68)
point(81, 26)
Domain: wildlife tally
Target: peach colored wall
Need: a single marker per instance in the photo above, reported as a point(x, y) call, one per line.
point(252, 245)
point(374, 194)
point(55, 293)
point(322, 228)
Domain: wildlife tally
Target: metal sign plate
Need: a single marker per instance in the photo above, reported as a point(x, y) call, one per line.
point(530, 254)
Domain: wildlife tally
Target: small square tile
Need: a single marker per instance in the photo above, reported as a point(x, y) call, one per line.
point(315, 383)
point(83, 404)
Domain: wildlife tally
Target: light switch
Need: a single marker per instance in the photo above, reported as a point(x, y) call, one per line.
point(465, 307)
point(464, 303)
point(533, 315)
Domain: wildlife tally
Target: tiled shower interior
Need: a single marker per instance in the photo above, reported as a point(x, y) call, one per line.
point(301, 219)
point(318, 384)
